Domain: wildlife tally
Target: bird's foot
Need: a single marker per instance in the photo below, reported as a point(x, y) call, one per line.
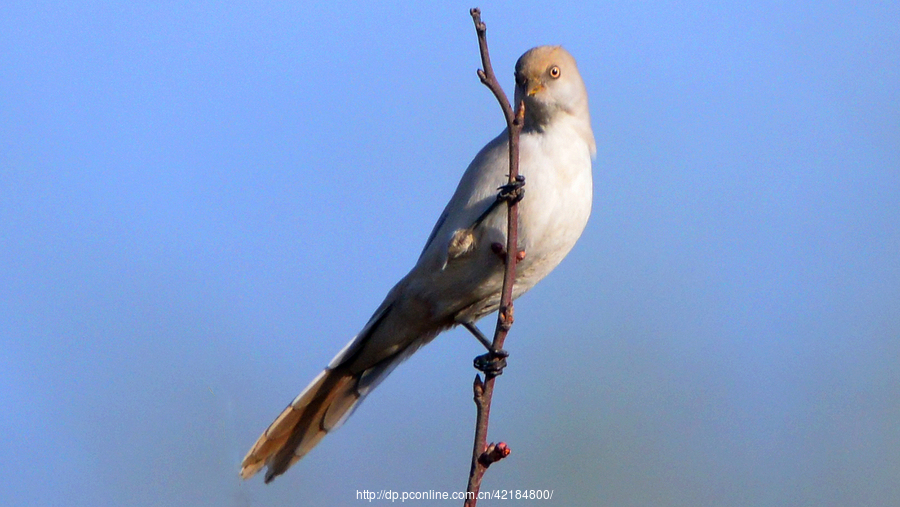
point(491, 363)
point(513, 192)
point(494, 361)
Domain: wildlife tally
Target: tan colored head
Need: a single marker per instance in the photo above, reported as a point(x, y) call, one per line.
point(547, 79)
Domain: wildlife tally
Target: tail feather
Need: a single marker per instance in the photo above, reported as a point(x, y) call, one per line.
point(322, 407)
point(333, 395)
point(301, 425)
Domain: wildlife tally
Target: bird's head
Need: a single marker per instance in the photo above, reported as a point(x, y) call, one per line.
point(547, 79)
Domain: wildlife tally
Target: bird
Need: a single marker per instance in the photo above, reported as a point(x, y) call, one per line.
point(458, 276)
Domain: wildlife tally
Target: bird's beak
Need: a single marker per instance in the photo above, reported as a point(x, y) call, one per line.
point(534, 89)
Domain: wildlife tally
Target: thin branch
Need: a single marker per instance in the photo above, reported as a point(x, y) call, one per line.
point(482, 454)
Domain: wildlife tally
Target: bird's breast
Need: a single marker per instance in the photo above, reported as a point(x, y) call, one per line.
point(557, 203)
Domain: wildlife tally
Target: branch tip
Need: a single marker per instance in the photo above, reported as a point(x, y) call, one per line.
point(475, 12)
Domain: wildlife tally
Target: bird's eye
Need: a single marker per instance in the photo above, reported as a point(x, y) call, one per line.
point(520, 79)
point(554, 72)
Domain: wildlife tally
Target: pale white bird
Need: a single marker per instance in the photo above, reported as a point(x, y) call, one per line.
point(458, 277)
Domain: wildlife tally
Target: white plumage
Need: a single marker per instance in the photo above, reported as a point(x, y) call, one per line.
point(458, 277)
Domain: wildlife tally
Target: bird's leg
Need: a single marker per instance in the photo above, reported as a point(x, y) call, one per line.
point(494, 361)
point(513, 192)
point(478, 334)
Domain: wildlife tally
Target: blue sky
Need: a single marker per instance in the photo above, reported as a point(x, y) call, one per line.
point(200, 204)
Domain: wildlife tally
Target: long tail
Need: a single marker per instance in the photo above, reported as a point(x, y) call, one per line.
point(329, 399)
point(323, 406)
